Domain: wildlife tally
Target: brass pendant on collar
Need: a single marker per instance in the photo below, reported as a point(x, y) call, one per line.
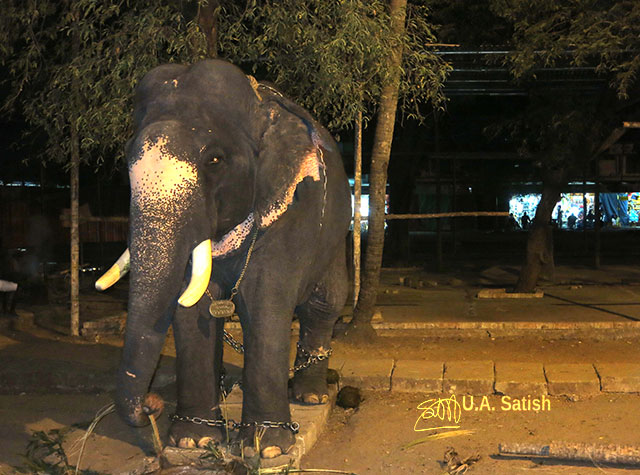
point(221, 308)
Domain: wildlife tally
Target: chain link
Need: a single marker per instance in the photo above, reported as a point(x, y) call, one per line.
point(311, 359)
point(233, 425)
point(231, 341)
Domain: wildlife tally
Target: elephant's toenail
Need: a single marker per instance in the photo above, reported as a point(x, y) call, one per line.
point(202, 443)
point(311, 399)
point(324, 399)
point(271, 452)
point(187, 443)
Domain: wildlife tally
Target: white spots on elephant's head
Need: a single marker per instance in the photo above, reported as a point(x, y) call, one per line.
point(159, 175)
point(163, 187)
point(312, 166)
point(131, 375)
point(175, 83)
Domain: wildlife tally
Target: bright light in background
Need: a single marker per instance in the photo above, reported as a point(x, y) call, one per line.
point(364, 205)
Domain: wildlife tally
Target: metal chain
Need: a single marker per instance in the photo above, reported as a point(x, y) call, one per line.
point(225, 392)
point(234, 290)
point(233, 425)
point(311, 359)
point(231, 341)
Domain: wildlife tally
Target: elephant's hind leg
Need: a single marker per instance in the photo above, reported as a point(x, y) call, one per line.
point(317, 318)
point(198, 364)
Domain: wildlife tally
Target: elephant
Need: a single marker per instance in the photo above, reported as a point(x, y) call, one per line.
point(238, 197)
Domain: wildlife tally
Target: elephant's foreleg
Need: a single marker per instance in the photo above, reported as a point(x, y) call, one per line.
point(317, 318)
point(265, 377)
point(198, 340)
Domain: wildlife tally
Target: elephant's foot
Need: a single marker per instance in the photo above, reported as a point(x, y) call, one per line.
point(309, 386)
point(271, 442)
point(188, 435)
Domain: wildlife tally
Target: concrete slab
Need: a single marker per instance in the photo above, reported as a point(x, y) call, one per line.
point(619, 377)
point(417, 376)
point(520, 379)
point(312, 420)
point(575, 381)
point(468, 377)
point(365, 374)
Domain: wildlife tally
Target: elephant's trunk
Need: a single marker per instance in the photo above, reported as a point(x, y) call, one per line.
point(163, 233)
point(154, 289)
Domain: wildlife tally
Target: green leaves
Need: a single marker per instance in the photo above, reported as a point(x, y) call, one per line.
point(596, 33)
point(80, 61)
point(330, 56)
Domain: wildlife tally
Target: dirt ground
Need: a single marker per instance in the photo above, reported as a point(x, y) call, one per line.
point(373, 438)
point(368, 440)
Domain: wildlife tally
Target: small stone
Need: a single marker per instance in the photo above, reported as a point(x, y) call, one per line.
point(349, 397)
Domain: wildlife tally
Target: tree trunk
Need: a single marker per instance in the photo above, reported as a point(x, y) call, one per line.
point(74, 179)
point(357, 200)
point(363, 313)
point(75, 234)
point(540, 240)
point(208, 22)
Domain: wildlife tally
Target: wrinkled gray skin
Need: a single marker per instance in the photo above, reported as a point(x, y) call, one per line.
point(229, 152)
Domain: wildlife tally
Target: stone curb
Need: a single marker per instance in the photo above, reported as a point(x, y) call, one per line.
point(503, 294)
point(521, 325)
point(573, 381)
point(372, 374)
point(619, 377)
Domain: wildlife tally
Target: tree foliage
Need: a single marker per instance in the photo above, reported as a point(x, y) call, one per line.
point(330, 56)
point(600, 33)
point(80, 60)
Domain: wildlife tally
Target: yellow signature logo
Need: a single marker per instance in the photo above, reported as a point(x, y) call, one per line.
point(443, 410)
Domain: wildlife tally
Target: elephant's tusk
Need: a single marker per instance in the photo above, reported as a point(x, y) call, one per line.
point(200, 274)
point(113, 275)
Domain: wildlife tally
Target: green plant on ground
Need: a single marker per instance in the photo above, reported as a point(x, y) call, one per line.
point(45, 454)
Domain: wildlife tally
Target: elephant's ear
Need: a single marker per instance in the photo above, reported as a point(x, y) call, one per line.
point(291, 149)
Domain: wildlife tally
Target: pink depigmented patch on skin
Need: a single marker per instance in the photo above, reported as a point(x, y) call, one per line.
point(162, 188)
point(310, 167)
point(233, 239)
point(159, 174)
